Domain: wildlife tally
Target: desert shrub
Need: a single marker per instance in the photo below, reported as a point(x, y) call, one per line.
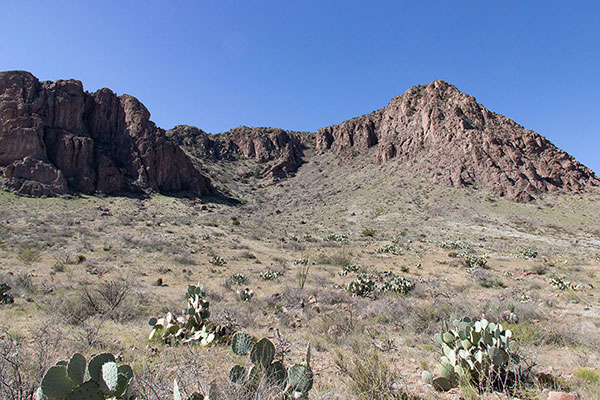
point(368, 232)
point(335, 258)
point(302, 275)
point(217, 261)
point(237, 279)
point(485, 279)
point(28, 255)
point(371, 378)
point(588, 376)
point(109, 300)
point(22, 363)
point(184, 259)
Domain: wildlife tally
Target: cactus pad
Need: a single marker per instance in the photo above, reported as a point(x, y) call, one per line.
point(241, 344)
point(262, 353)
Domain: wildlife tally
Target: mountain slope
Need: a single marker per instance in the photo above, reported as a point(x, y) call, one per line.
point(445, 135)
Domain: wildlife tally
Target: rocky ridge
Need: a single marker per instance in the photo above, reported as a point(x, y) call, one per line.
point(55, 138)
point(445, 135)
point(281, 151)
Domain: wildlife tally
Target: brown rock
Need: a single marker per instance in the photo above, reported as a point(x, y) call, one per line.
point(445, 135)
point(33, 177)
point(55, 137)
point(281, 150)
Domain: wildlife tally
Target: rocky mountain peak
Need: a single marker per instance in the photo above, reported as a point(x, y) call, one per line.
point(439, 132)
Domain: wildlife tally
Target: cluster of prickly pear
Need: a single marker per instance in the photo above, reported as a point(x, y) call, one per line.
point(366, 284)
point(480, 350)
point(350, 268)
point(192, 326)
point(101, 379)
point(5, 297)
point(395, 283)
point(389, 248)
point(336, 238)
point(473, 260)
point(562, 284)
point(245, 295)
point(269, 275)
point(453, 245)
point(528, 252)
point(301, 261)
point(294, 382)
point(363, 285)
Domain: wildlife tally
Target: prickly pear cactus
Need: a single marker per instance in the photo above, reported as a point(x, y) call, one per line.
point(5, 297)
point(245, 295)
point(480, 350)
point(101, 379)
point(193, 326)
point(294, 383)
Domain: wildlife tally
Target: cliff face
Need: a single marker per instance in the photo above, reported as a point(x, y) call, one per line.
point(282, 150)
point(444, 134)
point(56, 138)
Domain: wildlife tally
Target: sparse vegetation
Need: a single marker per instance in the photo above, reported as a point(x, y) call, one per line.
point(5, 297)
point(272, 274)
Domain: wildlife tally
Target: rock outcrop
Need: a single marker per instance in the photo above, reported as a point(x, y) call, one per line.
point(56, 138)
point(441, 133)
point(281, 151)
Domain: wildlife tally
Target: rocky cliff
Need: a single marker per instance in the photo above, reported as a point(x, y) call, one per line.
point(56, 138)
point(441, 133)
point(281, 151)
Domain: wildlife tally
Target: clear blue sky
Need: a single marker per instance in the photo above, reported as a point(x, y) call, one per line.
point(307, 64)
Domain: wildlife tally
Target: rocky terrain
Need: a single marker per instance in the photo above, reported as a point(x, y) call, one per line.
point(343, 240)
point(441, 133)
point(57, 139)
point(281, 151)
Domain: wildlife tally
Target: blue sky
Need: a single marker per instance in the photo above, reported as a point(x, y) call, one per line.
point(307, 64)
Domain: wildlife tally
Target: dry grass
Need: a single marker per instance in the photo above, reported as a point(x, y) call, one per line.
point(92, 276)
